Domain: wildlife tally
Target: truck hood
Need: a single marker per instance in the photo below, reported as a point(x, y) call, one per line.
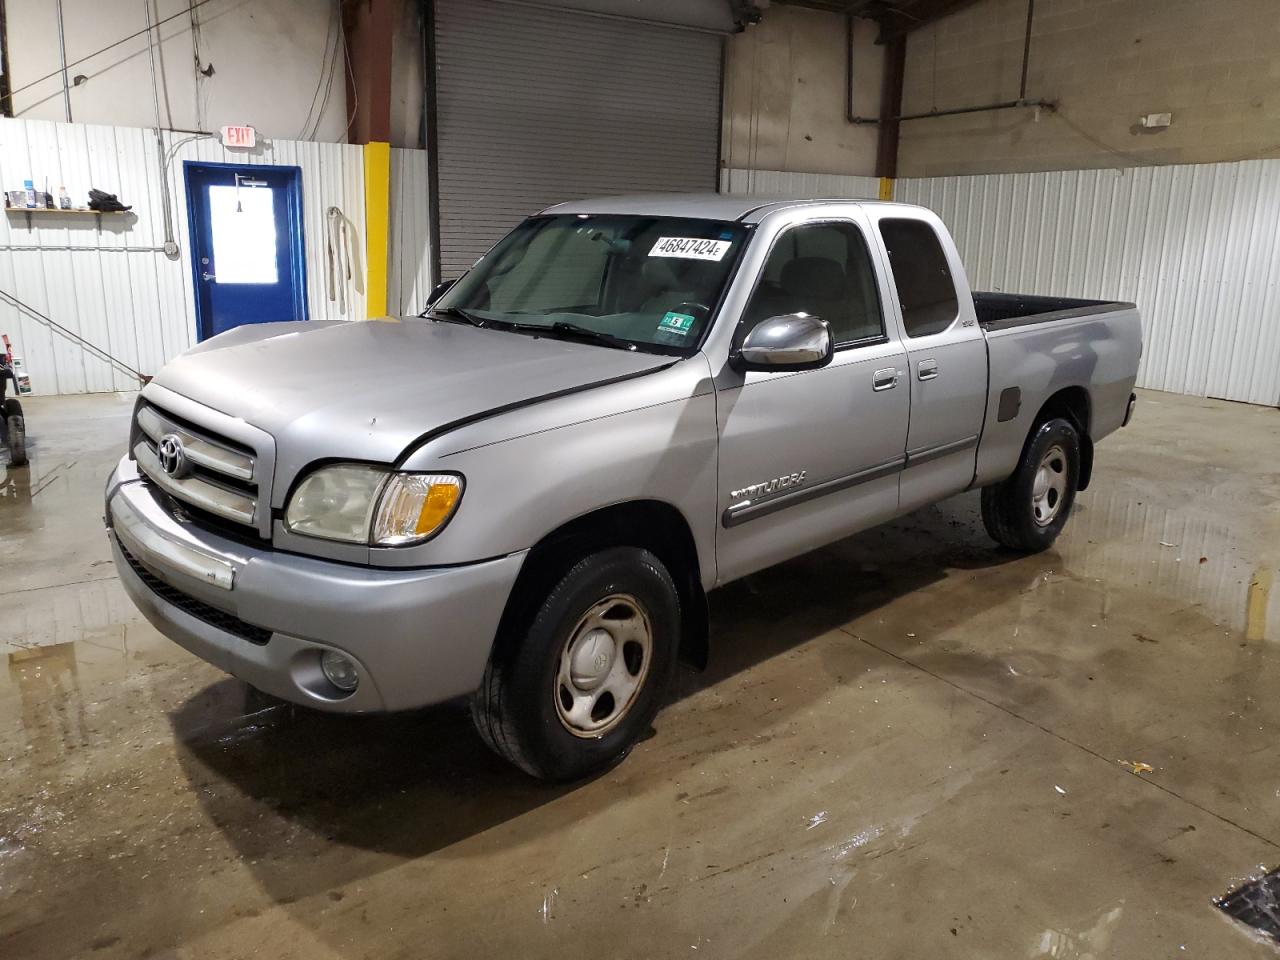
point(367, 390)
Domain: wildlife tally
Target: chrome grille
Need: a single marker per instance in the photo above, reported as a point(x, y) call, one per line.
point(223, 475)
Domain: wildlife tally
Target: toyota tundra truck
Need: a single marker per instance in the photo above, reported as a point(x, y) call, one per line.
point(524, 495)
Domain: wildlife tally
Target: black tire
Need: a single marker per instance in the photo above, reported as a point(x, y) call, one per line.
point(515, 710)
point(1009, 508)
point(16, 437)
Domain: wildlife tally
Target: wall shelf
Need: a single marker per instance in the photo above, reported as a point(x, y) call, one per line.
point(29, 212)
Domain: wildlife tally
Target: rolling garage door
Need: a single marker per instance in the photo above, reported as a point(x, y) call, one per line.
point(538, 104)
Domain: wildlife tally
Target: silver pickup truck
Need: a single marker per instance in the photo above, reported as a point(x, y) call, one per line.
point(524, 495)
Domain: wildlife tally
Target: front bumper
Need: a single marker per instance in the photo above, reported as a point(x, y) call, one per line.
point(417, 637)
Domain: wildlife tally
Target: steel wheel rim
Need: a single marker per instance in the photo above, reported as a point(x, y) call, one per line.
point(1049, 490)
point(603, 666)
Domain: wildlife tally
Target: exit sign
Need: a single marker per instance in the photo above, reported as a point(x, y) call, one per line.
point(244, 137)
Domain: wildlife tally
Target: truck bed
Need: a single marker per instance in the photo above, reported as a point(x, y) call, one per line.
point(1038, 346)
point(999, 311)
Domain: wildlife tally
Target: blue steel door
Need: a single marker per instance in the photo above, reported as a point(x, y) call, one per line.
point(246, 243)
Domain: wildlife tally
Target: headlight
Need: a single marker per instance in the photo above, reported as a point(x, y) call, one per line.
point(336, 503)
point(358, 503)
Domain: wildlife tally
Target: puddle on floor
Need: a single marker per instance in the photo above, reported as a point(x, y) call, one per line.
point(1256, 904)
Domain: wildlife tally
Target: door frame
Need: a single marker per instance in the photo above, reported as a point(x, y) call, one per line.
point(297, 248)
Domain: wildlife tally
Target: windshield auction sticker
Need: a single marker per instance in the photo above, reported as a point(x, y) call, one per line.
point(690, 248)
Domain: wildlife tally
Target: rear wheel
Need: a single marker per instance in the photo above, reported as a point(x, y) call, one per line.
point(15, 433)
point(576, 692)
point(1027, 511)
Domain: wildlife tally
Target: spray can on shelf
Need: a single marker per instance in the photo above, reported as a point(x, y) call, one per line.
point(64, 198)
point(29, 188)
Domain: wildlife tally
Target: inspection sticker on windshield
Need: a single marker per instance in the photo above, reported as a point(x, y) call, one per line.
point(690, 248)
point(673, 322)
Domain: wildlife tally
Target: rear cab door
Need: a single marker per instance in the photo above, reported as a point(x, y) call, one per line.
point(946, 352)
point(807, 457)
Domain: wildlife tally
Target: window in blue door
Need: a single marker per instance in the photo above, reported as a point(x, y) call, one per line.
point(246, 241)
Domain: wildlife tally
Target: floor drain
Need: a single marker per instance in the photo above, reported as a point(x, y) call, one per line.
point(1256, 903)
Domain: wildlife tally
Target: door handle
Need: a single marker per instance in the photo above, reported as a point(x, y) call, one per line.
point(927, 370)
point(884, 379)
point(207, 276)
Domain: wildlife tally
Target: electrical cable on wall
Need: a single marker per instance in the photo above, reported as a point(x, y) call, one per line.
point(328, 70)
point(202, 70)
point(351, 74)
point(103, 49)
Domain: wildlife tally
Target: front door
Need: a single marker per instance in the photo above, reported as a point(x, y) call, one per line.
point(809, 457)
point(246, 244)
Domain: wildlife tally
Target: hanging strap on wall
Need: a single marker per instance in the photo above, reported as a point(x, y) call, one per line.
point(341, 258)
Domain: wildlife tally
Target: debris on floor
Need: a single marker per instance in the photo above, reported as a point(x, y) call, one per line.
point(1137, 766)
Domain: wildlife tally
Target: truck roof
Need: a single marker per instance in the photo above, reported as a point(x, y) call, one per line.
point(705, 206)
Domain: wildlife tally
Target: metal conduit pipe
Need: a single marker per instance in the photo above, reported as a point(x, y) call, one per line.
point(103, 49)
point(170, 245)
point(72, 248)
point(1021, 101)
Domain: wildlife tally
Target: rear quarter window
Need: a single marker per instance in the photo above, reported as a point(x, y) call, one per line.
point(926, 292)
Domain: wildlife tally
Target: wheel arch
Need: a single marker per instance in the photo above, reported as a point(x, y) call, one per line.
point(653, 525)
point(1074, 405)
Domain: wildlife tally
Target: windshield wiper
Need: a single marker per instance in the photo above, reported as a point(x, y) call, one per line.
point(453, 314)
point(586, 333)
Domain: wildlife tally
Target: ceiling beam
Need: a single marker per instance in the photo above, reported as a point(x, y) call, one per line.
point(857, 8)
point(896, 21)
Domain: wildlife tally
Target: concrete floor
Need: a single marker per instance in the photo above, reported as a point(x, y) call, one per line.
point(908, 745)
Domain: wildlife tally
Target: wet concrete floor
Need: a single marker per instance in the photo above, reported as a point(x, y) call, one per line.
point(910, 744)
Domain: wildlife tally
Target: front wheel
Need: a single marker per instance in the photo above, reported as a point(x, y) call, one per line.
point(1029, 510)
point(579, 689)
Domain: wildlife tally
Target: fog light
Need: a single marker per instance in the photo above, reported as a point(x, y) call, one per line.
point(339, 670)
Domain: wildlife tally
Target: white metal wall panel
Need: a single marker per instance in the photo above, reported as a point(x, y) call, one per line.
point(777, 183)
point(409, 272)
point(1197, 247)
point(111, 282)
point(538, 105)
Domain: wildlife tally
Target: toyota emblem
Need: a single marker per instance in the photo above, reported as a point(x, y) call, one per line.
point(173, 458)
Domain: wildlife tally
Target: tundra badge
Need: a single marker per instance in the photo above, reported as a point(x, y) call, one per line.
point(776, 485)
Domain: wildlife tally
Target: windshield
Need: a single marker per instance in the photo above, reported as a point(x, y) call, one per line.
point(624, 281)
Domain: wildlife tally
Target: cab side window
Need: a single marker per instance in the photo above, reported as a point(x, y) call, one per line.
point(925, 288)
point(822, 269)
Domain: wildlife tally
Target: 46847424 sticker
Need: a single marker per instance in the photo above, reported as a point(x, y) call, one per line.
point(690, 248)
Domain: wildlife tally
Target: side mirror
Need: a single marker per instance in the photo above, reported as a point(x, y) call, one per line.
point(439, 290)
point(793, 341)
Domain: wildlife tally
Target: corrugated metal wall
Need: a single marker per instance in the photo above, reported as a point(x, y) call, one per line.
point(409, 277)
point(112, 283)
point(1197, 247)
